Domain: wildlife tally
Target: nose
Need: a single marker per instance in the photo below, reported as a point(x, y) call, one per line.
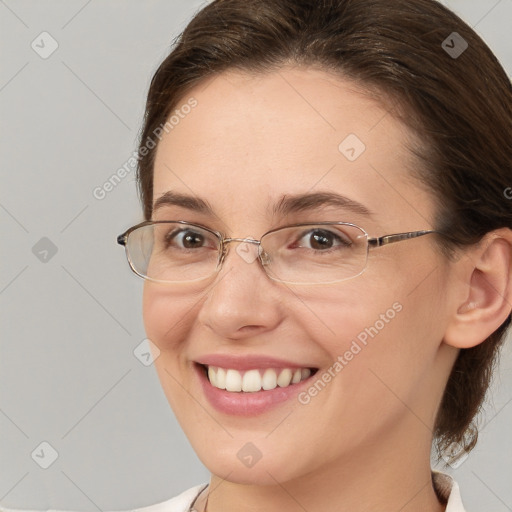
point(242, 301)
point(249, 250)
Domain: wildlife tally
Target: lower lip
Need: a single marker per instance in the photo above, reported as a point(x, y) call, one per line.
point(244, 403)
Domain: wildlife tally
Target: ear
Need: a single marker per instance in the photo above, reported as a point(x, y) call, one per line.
point(485, 298)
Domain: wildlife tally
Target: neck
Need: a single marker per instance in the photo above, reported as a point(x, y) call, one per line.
point(385, 477)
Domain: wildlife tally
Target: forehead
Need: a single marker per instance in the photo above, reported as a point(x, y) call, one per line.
point(251, 139)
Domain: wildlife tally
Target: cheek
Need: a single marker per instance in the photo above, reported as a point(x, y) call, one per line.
point(392, 331)
point(353, 311)
point(167, 316)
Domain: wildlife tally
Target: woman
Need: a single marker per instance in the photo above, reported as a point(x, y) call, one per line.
point(327, 249)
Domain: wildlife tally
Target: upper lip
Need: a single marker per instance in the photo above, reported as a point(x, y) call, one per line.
point(247, 362)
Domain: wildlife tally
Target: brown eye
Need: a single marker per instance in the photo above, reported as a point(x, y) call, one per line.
point(323, 239)
point(185, 239)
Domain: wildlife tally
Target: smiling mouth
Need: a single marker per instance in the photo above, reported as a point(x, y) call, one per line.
point(254, 380)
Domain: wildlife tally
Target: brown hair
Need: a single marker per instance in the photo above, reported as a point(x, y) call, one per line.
point(459, 105)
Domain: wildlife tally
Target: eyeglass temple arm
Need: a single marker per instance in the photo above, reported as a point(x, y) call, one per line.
point(397, 237)
point(121, 239)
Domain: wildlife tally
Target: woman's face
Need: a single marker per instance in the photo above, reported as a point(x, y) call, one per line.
point(375, 341)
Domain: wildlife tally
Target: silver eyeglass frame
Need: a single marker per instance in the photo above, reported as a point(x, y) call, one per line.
point(372, 242)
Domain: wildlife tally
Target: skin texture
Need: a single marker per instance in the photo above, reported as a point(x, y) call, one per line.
point(363, 443)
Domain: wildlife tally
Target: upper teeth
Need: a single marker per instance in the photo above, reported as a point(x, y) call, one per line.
point(255, 380)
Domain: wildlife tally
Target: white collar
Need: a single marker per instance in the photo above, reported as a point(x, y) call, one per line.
point(448, 491)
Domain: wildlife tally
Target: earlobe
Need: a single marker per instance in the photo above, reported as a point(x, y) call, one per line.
point(487, 291)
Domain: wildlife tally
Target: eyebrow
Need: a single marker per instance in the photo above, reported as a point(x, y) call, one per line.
point(286, 205)
point(183, 200)
point(314, 201)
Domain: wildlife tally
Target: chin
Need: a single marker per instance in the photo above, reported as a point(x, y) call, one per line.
point(250, 466)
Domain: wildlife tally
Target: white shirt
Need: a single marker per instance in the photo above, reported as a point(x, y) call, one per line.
point(446, 488)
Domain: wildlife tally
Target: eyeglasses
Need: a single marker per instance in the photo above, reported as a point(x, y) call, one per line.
point(175, 251)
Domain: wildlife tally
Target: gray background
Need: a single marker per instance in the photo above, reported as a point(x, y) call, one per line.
point(71, 322)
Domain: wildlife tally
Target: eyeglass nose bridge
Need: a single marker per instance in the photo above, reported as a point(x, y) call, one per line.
point(262, 255)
